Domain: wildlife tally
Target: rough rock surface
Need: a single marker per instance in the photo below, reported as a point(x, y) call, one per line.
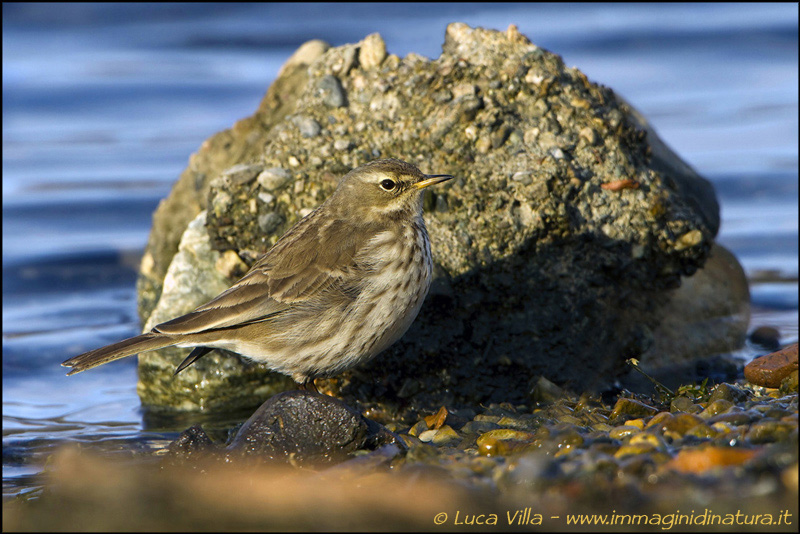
point(556, 246)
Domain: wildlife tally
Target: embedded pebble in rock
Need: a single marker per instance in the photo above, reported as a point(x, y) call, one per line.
point(770, 370)
point(221, 203)
point(372, 51)
point(274, 178)
point(308, 127)
point(269, 222)
point(341, 145)
point(331, 91)
point(242, 173)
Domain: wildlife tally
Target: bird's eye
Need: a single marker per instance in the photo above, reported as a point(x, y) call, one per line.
point(388, 185)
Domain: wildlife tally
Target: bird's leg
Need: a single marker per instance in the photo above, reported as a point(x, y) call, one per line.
point(308, 385)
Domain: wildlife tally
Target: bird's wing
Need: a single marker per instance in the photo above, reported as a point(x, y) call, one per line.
point(311, 263)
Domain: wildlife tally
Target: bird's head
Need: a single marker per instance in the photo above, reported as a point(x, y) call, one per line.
point(384, 188)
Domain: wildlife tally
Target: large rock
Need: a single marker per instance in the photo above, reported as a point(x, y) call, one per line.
point(556, 247)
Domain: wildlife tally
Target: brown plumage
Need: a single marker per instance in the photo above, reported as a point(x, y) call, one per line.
point(339, 287)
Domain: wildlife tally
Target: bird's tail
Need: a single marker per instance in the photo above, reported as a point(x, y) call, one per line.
point(115, 351)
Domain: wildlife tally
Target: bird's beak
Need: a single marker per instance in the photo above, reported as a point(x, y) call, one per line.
point(432, 179)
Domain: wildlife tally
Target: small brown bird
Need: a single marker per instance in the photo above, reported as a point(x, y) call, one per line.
point(338, 288)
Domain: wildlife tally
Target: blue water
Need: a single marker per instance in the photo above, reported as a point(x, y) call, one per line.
point(103, 104)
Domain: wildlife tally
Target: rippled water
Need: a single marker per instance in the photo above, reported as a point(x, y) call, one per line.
point(103, 104)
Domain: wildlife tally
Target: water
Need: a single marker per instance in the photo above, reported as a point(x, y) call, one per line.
point(103, 104)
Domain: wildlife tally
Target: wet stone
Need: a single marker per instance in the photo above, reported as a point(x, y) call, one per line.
point(702, 431)
point(681, 404)
point(445, 436)
point(715, 408)
point(625, 406)
point(708, 458)
point(729, 392)
point(518, 423)
point(569, 439)
point(770, 370)
point(488, 418)
point(192, 442)
point(427, 436)
point(634, 450)
point(647, 439)
point(659, 420)
point(622, 432)
point(418, 428)
point(545, 391)
point(770, 431)
point(507, 434)
point(636, 423)
point(682, 423)
point(479, 427)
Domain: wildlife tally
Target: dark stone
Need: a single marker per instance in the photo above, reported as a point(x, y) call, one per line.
point(730, 392)
point(767, 337)
point(307, 427)
point(192, 440)
point(192, 446)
